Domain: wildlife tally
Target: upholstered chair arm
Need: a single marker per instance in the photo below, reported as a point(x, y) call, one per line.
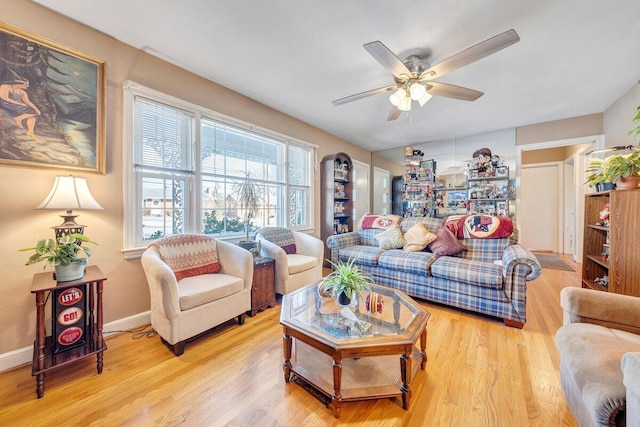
point(601, 308)
point(235, 261)
point(631, 372)
point(271, 250)
point(309, 245)
point(163, 286)
point(516, 254)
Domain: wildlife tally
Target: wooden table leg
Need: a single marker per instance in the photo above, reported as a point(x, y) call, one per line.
point(99, 325)
point(40, 340)
point(336, 401)
point(286, 345)
point(423, 349)
point(405, 372)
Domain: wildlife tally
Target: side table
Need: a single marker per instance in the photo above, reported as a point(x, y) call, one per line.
point(44, 357)
point(263, 288)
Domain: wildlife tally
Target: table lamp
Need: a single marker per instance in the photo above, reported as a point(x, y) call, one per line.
point(69, 192)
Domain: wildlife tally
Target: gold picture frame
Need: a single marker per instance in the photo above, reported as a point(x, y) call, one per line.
point(52, 104)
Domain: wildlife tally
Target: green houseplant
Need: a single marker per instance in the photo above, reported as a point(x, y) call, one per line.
point(624, 169)
point(63, 255)
point(346, 281)
point(597, 171)
point(250, 197)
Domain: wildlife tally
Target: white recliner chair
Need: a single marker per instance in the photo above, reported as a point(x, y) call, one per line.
point(299, 257)
point(196, 283)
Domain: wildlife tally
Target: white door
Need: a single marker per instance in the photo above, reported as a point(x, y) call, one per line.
point(541, 207)
point(381, 191)
point(361, 190)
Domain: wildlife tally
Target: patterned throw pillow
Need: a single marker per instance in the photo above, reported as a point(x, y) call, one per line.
point(391, 238)
point(417, 238)
point(189, 254)
point(282, 237)
point(378, 221)
point(480, 226)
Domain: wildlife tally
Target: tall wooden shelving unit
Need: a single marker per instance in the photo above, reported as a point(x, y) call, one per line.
point(336, 174)
point(622, 266)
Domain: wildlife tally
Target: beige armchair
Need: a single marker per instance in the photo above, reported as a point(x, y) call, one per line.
point(184, 308)
point(301, 266)
point(599, 347)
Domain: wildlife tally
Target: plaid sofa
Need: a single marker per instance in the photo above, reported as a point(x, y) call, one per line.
point(489, 278)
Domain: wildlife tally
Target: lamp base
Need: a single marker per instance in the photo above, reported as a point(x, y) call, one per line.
point(69, 226)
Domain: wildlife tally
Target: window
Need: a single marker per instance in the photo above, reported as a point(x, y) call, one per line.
point(185, 164)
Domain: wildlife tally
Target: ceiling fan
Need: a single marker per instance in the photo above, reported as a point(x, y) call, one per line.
point(414, 77)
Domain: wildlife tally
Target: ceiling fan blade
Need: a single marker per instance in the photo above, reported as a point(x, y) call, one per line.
point(472, 54)
point(394, 113)
point(361, 95)
point(388, 59)
point(452, 91)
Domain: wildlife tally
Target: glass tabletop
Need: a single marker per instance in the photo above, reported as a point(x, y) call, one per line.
point(390, 315)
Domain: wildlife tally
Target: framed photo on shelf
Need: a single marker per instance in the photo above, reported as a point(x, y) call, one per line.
point(501, 208)
point(473, 173)
point(52, 104)
point(428, 170)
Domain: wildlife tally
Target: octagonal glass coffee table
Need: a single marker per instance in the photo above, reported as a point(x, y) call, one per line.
point(350, 353)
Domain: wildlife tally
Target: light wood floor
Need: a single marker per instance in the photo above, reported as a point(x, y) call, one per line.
point(479, 373)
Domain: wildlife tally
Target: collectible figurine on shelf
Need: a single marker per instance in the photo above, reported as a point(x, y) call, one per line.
point(604, 216)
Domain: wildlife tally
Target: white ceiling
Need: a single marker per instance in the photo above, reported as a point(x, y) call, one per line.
point(575, 57)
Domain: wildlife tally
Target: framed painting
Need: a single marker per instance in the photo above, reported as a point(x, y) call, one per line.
point(52, 104)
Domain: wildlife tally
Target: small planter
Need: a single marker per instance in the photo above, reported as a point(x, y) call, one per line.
point(344, 300)
point(70, 272)
point(628, 183)
point(605, 186)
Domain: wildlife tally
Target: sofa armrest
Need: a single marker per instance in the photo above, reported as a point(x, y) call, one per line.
point(611, 310)
point(271, 250)
point(236, 261)
point(631, 373)
point(340, 241)
point(163, 286)
point(516, 254)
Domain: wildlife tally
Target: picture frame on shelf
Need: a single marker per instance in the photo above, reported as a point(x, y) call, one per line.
point(473, 173)
point(59, 119)
point(502, 171)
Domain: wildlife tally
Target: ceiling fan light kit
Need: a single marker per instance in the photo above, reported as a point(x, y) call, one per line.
point(413, 76)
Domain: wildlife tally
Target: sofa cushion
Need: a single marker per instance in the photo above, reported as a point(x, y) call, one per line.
point(198, 290)
point(417, 238)
point(446, 243)
point(478, 273)
point(408, 262)
point(363, 255)
point(299, 263)
point(391, 238)
point(189, 254)
point(590, 356)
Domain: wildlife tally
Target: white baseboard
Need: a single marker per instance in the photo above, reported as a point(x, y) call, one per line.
point(24, 355)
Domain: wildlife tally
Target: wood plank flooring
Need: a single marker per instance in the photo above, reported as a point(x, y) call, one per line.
point(479, 373)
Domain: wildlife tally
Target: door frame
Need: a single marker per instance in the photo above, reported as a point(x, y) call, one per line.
point(361, 194)
point(598, 142)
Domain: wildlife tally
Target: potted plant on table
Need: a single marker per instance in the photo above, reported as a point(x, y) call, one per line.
point(250, 198)
point(346, 282)
point(63, 255)
point(597, 174)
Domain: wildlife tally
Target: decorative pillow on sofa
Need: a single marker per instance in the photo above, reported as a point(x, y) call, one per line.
point(280, 236)
point(480, 226)
point(378, 221)
point(391, 238)
point(189, 254)
point(417, 238)
point(446, 243)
